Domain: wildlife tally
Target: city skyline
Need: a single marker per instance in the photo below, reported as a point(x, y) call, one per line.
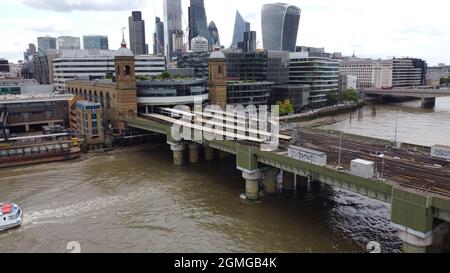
point(351, 26)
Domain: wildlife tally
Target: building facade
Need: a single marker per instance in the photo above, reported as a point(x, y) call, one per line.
point(247, 65)
point(249, 42)
point(195, 60)
point(29, 52)
point(248, 92)
point(26, 113)
point(96, 42)
point(321, 73)
point(137, 33)
point(436, 73)
point(214, 34)
point(92, 65)
point(46, 43)
point(117, 97)
point(157, 93)
point(199, 44)
point(240, 26)
point(298, 95)
point(408, 72)
point(217, 65)
point(69, 42)
point(89, 116)
point(158, 37)
point(4, 66)
point(280, 23)
point(347, 82)
point(173, 29)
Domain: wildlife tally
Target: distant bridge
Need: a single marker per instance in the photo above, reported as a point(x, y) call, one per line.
point(428, 96)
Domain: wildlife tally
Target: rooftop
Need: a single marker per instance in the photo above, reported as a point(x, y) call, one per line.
point(10, 99)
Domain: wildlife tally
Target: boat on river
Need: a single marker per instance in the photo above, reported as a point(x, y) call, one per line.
point(10, 216)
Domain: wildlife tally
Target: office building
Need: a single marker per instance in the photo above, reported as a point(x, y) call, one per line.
point(214, 34)
point(247, 65)
point(137, 33)
point(248, 92)
point(436, 73)
point(97, 64)
point(198, 61)
point(348, 82)
point(315, 68)
point(280, 23)
point(173, 29)
point(156, 93)
point(240, 26)
point(69, 42)
point(298, 95)
point(408, 72)
point(29, 53)
point(96, 42)
point(46, 43)
point(249, 42)
point(30, 113)
point(4, 66)
point(198, 22)
point(89, 116)
point(199, 44)
point(158, 37)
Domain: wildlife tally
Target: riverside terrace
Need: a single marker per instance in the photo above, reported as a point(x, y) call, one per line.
point(419, 196)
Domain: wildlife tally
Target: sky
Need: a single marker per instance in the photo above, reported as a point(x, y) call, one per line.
point(375, 29)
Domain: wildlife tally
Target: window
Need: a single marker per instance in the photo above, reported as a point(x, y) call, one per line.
point(127, 70)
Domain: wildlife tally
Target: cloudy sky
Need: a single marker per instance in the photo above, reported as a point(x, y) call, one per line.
point(377, 29)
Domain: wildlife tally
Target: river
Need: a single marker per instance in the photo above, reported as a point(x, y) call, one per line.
point(136, 201)
point(414, 125)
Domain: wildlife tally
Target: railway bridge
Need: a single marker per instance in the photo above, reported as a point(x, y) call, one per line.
point(417, 190)
point(428, 96)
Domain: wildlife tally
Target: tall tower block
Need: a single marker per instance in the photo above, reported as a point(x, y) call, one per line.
point(218, 79)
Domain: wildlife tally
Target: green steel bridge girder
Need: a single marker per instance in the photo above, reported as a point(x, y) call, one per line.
point(408, 209)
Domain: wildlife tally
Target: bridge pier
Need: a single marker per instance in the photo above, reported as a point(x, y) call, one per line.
point(178, 154)
point(194, 150)
point(252, 184)
point(270, 181)
point(288, 181)
point(302, 182)
point(428, 102)
point(209, 153)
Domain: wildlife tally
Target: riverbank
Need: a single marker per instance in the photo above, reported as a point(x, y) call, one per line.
point(322, 112)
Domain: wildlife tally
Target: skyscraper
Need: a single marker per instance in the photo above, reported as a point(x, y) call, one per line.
point(173, 30)
point(158, 37)
point(69, 42)
point(137, 33)
point(249, 43)
point(29, 53)
point(197, 21)
point(280, 24)
point(46, 43)
point(214, 34)
point(240, 26)
point(95, 42)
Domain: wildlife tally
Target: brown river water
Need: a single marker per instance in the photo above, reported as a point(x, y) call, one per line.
point(138, 202)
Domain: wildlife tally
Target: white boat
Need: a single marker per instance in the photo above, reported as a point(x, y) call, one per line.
point(10, 216)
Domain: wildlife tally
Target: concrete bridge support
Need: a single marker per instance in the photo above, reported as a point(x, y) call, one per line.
point(252, 184)
point(428, 102)
point(288, 181)
point(209, 153)
point(178, 154)
point(194, 151)
point(270, 181)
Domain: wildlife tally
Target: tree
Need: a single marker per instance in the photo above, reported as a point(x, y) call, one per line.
point(166, 75)
point(286, 107)
point(332, 98)
point(350, 95)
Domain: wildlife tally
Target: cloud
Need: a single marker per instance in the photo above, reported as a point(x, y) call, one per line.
point(84, 5)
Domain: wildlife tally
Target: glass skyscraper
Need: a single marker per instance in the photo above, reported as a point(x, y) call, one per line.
point(137, 33)
point(214, 33)
point(240, 26)
point(173, 29)
point(197, 21)
point(46, 43)
point(280, 24)
point(158, 46)
point(95, 42)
